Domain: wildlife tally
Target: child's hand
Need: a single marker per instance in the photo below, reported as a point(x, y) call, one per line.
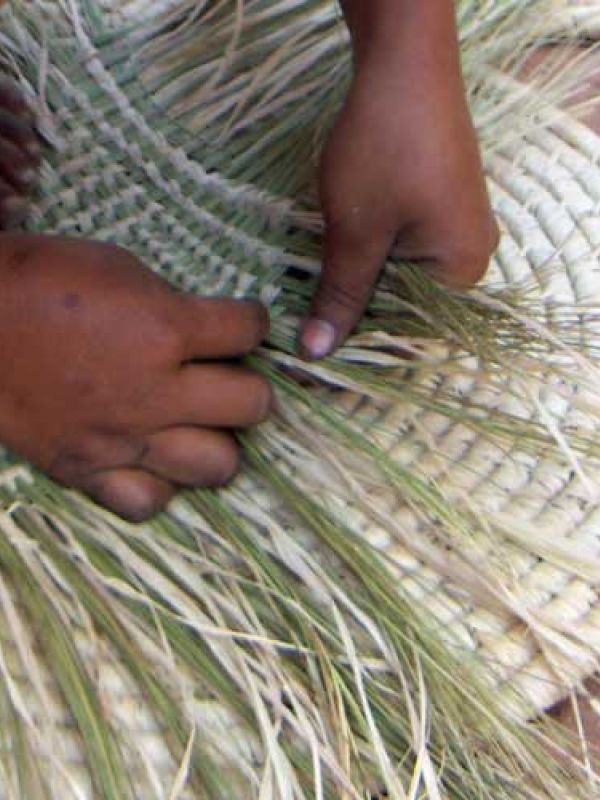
point(112, 381)
point(401, 170)
point(19, 154)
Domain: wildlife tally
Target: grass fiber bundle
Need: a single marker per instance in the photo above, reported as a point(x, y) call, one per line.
point(255, 643)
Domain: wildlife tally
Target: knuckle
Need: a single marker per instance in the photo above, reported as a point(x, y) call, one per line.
point(74, 461)
point(163, 337)
point(345, 295)
point(167, 339)
point(352, 236)
point(468, 262)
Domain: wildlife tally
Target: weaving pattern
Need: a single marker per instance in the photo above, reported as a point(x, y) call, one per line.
point(131, 157)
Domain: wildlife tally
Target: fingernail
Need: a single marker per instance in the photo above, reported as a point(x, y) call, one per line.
point(318, 338)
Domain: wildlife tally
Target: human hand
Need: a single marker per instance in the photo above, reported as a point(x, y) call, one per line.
point(19, 154)
point(401, 172)
point(112, 381)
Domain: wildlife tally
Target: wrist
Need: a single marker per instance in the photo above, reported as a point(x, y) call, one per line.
point(404, 35)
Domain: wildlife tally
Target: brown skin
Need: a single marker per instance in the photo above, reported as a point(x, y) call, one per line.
point(95, 350)
point(110, 379)
point(401, 169)
point(112, 382)
point(105, 421)
point(98, 389)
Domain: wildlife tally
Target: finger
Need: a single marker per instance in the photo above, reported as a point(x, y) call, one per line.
point(192, 456)
point(213, 396)
point(21, 133)
point(16, 167)
point(13, 207)
point(99, 451)
point(214, 328)
point(352, 262)
point(133, 494)
point(13, 99)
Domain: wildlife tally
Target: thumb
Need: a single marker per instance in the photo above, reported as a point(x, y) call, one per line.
point(351, 266)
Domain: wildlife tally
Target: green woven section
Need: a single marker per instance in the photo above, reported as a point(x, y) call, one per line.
point(120, 168)
point(195, 143)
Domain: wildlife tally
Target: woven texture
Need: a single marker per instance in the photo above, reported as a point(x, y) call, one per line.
point(582, 18)
point(115, 173)
point(546, 195)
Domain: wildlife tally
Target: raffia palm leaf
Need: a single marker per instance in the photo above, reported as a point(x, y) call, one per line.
point(254, 643)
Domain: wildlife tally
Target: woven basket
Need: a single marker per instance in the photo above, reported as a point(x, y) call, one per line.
point(581, 18)
point(546, 195)
point(543, 637)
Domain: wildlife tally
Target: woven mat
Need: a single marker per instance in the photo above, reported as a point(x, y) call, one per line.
point(581, 18)
point(546, 637)
point(546, 193)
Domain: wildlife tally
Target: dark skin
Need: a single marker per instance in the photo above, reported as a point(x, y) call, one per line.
point(19, 155)
point(401, 170)
point(405, 84)
point(115, 384)
point(121, 393)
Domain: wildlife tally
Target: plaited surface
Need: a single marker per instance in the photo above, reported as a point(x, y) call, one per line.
point(119, 171)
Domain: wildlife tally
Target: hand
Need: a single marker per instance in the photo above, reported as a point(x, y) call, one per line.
point(19, 154)
point(111, 381)
point(401, 171)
